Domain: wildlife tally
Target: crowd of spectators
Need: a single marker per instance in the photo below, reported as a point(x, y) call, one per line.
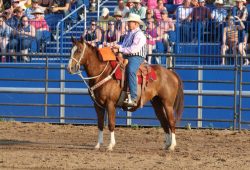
point(26, 25)
point(203, 21)
point(200, 21)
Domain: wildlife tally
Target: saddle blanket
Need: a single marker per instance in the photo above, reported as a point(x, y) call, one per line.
point(118, 73)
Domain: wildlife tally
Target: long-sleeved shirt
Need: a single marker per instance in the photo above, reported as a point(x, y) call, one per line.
point(134, 43)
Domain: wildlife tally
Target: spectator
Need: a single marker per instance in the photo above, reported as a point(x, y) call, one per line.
point(130, 4)
point(121, 7)
point(184, 11)
point(152, 36)
point(157, 11)
point(111, 36)
point(93, 35)
point(149, 16)
point(74, 4)
point(230, 38)
point(14, 21)
point(42, 29)
point(152, 4)
point(138, 9)
point(5, 33)
point(119, 24)
point(218, 15)
point(200, 13)
point(34, 5)
point(5, 4)
point(104, 19)
point(57, 10)
point(25, 35)
point(240, 10)
point(44, 3)
point(92, 6)
point(166, 25)
point(199, 17)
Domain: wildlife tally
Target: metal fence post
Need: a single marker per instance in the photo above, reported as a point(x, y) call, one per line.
point(235, 91)
point(240, 94)
point(46, 87)
point(62, 90)
point(200, 88)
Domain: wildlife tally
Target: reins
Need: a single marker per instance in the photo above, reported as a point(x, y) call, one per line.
point(79, 73)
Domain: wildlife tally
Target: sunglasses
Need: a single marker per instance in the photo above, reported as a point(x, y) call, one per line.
point(93, 24)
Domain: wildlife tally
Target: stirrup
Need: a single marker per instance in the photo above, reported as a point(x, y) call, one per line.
point(130, 103)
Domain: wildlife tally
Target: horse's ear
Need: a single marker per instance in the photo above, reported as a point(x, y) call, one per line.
point(73, 40)
point(81, 40)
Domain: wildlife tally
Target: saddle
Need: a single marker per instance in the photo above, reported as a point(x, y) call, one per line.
point(145, 74)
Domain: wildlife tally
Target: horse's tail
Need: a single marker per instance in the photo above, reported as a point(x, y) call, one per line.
point(179, 100)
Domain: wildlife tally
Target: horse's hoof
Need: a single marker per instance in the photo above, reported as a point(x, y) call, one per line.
point(171, 148)
point(97, 146)
point(110, 147)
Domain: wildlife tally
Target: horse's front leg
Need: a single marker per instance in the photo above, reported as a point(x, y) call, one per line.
point(100, 116)
point(111, 117)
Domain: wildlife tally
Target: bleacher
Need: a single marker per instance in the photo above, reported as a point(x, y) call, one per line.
point(61, 43)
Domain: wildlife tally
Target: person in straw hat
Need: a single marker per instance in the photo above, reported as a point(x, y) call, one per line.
point(122, 8)
point(134, 49)
point(42, 29)
point(138, 9)
point(218, 15)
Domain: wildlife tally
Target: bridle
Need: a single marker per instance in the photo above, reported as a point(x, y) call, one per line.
point(79, 72)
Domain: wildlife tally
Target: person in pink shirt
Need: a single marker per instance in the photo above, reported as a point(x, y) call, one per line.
point(152, 4)
point(41, 27)
point(157, 11)
point(152, 37)
point(177, 2)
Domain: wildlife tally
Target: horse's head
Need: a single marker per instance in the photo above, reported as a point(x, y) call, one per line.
point(77, 55)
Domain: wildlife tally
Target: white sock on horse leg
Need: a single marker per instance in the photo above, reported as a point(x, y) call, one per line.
point(100, 139)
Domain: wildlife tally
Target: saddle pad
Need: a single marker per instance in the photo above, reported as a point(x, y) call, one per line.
point(107, 54)
point(118, 73)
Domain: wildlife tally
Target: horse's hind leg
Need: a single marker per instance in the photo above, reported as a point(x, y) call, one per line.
point(161, 115)
point(100, 115)
point(170, 137)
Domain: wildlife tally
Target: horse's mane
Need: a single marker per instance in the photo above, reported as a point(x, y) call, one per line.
point(94, 49)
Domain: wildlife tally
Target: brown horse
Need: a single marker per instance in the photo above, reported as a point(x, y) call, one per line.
point(165, 93)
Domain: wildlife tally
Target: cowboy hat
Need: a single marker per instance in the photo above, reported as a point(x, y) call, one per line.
point(37, 11)
point(135, 18)
point(118, 13)
point(219, 2)
point(136, 1)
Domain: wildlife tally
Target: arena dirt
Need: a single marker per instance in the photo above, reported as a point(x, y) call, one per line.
point(45, 146)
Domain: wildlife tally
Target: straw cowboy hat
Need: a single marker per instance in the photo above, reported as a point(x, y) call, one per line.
point(219, 2)
point(136, 1)
point(135, 18)
point(37, 11)
point(241, 1)
point(118, 13)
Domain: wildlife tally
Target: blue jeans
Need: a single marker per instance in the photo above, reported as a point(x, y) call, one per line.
point(134, 63)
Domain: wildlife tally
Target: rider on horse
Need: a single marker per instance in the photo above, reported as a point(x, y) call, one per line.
point(134, 49)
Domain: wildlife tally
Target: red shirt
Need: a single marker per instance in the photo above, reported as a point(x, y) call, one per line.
point(39, 24)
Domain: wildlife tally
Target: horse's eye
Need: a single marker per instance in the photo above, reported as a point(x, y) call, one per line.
point(78, 50)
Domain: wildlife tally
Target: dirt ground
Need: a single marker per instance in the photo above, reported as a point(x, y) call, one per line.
point(45, 146)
